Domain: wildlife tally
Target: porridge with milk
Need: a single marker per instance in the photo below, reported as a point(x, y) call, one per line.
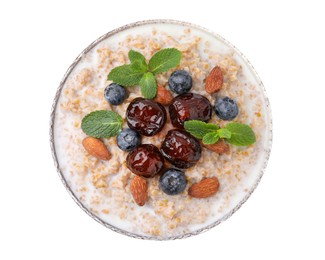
point(206, 181)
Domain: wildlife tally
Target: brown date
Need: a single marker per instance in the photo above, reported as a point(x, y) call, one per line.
point(181, 149)
point(145, 160)
point(145, 116)
point(189, 106)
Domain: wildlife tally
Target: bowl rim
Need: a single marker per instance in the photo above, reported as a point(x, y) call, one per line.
point(123, 28)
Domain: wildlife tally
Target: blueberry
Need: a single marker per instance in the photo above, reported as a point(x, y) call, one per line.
point(172, 181)
point(180, 82)
point(226, 108)
point(114, 94)
point(128, 139)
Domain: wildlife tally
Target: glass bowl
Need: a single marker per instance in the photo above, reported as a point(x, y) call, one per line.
point(221, 45)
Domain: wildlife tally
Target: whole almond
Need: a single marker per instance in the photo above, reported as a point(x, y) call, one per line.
point(214, 80)
point(138, 187)
point(219, 147)
point(205, 188)
point(163, 96)
point(96, 148)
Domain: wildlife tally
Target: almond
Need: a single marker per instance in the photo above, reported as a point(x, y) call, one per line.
point(138, 187)
point(163, 96)
point(214, 80)
point(219, 147)
point(96, 148)
point(205, 188)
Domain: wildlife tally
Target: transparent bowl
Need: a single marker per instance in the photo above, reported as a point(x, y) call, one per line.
point(224, 45)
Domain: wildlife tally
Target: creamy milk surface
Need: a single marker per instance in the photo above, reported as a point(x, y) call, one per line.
point(103, 186)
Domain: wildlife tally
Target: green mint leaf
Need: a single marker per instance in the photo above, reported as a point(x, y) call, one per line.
point(101, 124)
point(199, 129)
point(164, 60)
point(125, 75)
point(139, 66)
point(241, 134)
point(148, 85)
point(210, 138)
point(224, 133)
point(136, 56)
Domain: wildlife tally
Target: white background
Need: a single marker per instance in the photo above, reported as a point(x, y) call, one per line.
point(284, 218)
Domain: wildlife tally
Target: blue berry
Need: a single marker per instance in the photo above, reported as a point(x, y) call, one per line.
point(128, 139)
point(172, 181)
point(180, 82)
point(114, 94)
point(226, 108)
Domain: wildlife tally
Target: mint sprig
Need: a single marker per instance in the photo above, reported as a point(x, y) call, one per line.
point(141, 73)
point(234, 133)
point(101, 124)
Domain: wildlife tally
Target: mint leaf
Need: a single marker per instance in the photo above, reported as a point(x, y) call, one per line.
point(101, 124)
point(148, 85)
point(136, 56)
point(125, 75)
point(139, 66)
point(198, 128)
point(241, 134)
point(224, 133)
point(164, 60)
point(210, 138)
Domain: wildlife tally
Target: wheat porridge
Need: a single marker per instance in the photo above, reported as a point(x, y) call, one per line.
point(102, 184)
